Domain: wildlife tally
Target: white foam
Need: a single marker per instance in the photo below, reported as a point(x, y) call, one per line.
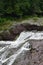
point(21, 44)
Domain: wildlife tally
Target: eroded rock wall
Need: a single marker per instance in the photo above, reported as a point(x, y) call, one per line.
point(17, 29)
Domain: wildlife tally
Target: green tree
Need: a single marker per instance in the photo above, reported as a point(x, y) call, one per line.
point(21, 7)
point(41, 5)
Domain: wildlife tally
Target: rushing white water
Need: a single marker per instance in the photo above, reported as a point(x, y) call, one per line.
point(10, 50)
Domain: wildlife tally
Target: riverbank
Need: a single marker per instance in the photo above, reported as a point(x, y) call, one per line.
point(16, 29)
point(10, 29)
point(6, 23)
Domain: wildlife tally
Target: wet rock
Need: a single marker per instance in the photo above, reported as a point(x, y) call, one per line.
point(37, 56)
point(0, 37)
point(32, 57)
point(16, 29)
point(6, 35)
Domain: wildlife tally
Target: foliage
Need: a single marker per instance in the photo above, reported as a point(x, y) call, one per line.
point(20, 8)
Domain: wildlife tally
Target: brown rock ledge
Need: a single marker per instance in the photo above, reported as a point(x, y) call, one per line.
point(16, 29)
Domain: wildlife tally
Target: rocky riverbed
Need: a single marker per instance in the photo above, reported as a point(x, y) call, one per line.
point(22, 44)
point(27, 49)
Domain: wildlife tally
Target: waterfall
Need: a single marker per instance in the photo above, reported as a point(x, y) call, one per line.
point(11, 50)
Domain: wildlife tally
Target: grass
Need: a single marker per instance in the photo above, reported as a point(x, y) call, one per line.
point(5, 23)
point(35, 19)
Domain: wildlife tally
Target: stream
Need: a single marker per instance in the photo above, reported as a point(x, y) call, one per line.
point(17, 52)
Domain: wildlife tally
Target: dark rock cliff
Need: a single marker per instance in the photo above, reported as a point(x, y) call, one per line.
point(17, 29)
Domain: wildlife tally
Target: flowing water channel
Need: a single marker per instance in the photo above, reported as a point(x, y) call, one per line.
point(12, 52)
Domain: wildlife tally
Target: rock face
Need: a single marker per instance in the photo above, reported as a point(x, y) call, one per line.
point(6, 35)
point(33, 57)
point(37, 53)
point(17, 29)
